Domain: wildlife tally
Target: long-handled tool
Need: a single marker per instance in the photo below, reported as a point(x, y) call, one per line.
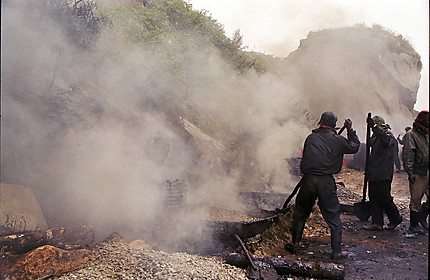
point(362, 208)
point(296, 189)
point(341, 130)
point(248, 256)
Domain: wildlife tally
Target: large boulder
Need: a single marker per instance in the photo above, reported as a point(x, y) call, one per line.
point(19, 210)
point(355, 70)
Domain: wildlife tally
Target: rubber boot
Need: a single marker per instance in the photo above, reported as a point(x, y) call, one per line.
point(414, 227)
point(392, 226)
point(336, 239)
point(423, 214)
point(298, 228)
point(296, 236)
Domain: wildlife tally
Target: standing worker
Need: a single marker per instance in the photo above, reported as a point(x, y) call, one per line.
point(396, 156)
point(380, 175)
point(416, 163)
point(400, 140)
point(322, 156)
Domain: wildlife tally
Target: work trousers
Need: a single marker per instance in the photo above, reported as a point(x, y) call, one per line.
point(417, 189)
point(323, 188)
point(380, 201)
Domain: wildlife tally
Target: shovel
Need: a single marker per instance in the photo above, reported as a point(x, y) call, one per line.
point(362, 208)
point(296, 189)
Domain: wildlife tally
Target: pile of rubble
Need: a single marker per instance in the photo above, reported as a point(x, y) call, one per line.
point(67, 253)
point(115, 259)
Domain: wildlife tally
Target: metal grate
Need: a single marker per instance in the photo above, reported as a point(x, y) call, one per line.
point(175, 194)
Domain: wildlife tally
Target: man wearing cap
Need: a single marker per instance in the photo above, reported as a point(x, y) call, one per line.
point(415, 158)
point(400, 140)
point(322, 156)
point(380, 175)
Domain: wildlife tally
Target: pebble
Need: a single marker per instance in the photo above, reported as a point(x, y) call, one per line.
point(116, 260)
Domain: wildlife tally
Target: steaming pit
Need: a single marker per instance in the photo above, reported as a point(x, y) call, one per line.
point(180, 227)
point(388, 251)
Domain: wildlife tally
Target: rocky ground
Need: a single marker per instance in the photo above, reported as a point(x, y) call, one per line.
point(394, 254)
point(386, 254)
point(371, 255)
point(115, 259)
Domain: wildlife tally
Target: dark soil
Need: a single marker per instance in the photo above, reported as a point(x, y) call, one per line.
point(387, 254)
point(394, 254)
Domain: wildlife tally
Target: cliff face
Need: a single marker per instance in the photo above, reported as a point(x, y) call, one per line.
point(355, 70)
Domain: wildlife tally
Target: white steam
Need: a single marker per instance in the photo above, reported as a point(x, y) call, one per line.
point(97, 135)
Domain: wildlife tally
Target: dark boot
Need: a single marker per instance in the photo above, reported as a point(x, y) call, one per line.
point(414, 227)
point(338, 256)
point(296, 236)
point(392, 226)
point(297, 233)
point(336, 240)
point(372, 227)
point(422, 215)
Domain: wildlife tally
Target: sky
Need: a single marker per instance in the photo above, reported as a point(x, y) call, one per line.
point(276, 26)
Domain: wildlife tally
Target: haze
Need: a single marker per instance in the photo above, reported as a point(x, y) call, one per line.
point(276, 26)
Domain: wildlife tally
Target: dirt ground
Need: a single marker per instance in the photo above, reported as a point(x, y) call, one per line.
point(384, 254)
point(394, 254)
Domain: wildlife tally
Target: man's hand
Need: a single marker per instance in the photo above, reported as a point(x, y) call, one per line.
point(411, 178)
point(348, 124)
point(370, 122)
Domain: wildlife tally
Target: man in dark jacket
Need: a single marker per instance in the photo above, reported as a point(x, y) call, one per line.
point(380, 175)
point(323, 156)
point(416, 164)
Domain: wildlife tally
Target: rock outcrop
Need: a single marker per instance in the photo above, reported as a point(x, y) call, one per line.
point(355, 70)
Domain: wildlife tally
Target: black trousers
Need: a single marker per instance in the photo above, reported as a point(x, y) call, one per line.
point(381, 201)
point(323, 188)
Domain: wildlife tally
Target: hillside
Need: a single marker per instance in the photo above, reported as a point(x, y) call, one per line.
point(358, 69)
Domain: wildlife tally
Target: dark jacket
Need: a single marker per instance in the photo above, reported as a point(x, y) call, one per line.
point(324, 149)
point(381, 158)
point(416, 152)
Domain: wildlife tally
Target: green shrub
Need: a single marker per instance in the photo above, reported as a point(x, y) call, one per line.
point(78, 19)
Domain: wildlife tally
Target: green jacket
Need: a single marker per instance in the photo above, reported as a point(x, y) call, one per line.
point(416, 152)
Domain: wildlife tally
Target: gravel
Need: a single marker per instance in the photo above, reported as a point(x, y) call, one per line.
point(114, 259)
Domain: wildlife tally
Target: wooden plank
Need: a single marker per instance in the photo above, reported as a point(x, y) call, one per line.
point(293, 266)
point(65, 238)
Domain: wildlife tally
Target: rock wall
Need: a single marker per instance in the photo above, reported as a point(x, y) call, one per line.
point(356, 70)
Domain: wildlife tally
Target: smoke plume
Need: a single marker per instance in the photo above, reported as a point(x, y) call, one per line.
point(97, 132)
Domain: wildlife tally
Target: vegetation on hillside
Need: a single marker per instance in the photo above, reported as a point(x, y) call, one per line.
point(149, 22)
point(170, 30)
point(78, 20)
point(165, 57)
point(364, 36)
point(396, 42)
